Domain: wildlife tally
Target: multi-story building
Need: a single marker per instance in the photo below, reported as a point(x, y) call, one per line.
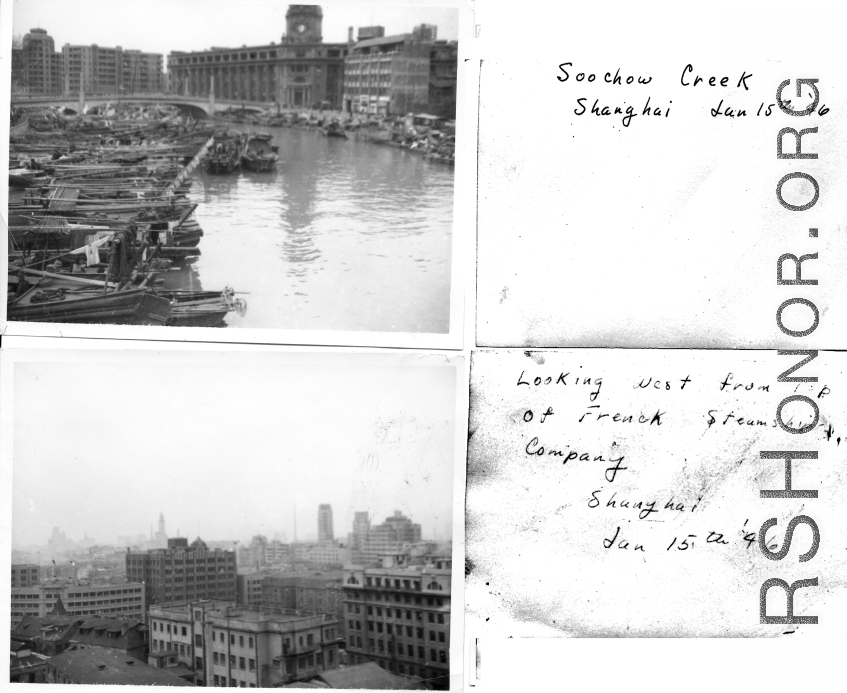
point(399, 617)
point(182, 574)
point(25, 574)
point(249, 588)
point(326, 532)
point(41, 66)
point(126, 600)
point(394, 536)
point(98, 69)
point(300, 72)
point(40, 70)
point(401, 74)
point(443, 67)
point(387, 74)
point(238, 646)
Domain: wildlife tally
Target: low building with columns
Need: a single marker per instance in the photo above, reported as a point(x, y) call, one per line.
point(299, 72)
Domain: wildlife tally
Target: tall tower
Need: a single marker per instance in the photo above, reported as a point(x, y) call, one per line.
point(325, 526)
point(303, 24)
point(161, 523)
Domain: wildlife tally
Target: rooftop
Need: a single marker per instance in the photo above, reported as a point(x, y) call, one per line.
point(370, 676)
point(102, 665)
point(384, 40)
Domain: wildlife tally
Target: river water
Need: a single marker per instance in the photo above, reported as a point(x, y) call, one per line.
point(345, 235)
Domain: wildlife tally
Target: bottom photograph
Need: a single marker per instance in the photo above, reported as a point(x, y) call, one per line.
point(258, 520)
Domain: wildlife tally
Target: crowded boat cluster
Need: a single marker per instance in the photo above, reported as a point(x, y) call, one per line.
point(430, 136)
point(99, 215)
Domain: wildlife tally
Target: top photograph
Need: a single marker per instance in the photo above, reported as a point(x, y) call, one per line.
point(276, 173)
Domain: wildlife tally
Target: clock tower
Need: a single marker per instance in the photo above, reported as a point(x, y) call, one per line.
point(303, 24)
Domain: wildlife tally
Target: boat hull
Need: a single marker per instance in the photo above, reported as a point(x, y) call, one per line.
point(132, 307)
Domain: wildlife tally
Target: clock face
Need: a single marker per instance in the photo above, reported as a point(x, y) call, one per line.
point(301, 28)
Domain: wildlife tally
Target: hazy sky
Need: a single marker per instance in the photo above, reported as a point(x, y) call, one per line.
point(162, 26)
point(104, 445)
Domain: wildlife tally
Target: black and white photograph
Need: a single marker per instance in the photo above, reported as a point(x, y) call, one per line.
point(265, 167)
point(260, 520)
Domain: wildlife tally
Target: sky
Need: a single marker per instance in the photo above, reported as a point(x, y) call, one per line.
point(229, 447)
point(162, 26)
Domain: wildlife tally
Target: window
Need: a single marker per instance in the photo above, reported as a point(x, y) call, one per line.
point(441, 618)
point(215, 658)
point(310, 640)
point(232, 661)
point(442, 656)
point(370, 611)
point(331, 657)
point(184, 631)
point(379, 627)
point(231, 639)
point(233, 683)
point(252, 663)
point(242, 664)
point(241, 641)
point(431, 617)
point(441, 637)
point(217, 680)
point(250, 639)
point(408, 631)
point(420, 633)
point(198, 640)
point(421, 654)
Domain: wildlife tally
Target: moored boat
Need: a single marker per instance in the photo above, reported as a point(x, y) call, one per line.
point(224, 156)
point(75, 300)
point(259, 154)
point(334, 129)
point(202, 308)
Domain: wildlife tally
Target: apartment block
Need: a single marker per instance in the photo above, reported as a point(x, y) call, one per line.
point(398, 616)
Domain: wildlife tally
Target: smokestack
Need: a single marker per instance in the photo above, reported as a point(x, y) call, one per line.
point(350, 35)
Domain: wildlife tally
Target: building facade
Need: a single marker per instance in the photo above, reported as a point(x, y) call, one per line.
point(399, 617)
point(25, 574)
point(126, 600)
point(40, 70)
point(401, 74)
point(184, 574)
point(300, 72)
point(326, 532)
point(40, 65)
point(248, 648)
point(394, 536)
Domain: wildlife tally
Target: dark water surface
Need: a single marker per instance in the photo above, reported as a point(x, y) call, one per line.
point(345, 235)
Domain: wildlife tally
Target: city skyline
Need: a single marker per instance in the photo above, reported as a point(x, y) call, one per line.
point(258, 22)
point(231, 440)
point(440, 532)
